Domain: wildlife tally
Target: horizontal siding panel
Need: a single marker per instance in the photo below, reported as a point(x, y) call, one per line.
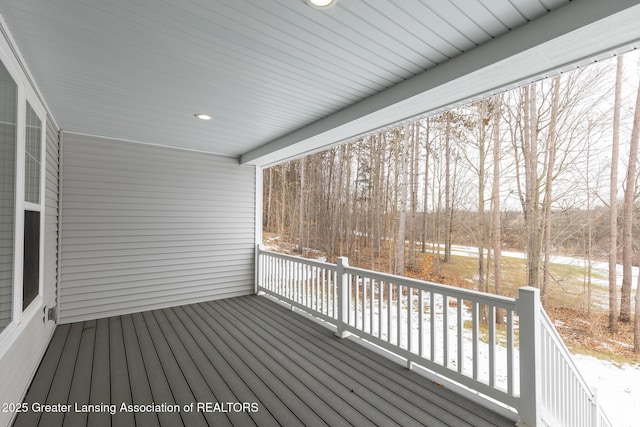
point(159, 302)
point(96, 264)
point(77, 250)
point(137, 293)
point(145, 227)
point(125, 276)
point(221, 278)
point(147, 269)
point(134, 239)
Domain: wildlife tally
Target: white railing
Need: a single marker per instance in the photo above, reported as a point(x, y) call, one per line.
point(501, 347)
point(567, 399)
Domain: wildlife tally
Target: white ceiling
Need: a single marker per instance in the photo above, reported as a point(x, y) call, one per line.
point(279, 77)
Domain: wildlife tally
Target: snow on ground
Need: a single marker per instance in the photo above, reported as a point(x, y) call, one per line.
point(618, 388)
point(599, 268)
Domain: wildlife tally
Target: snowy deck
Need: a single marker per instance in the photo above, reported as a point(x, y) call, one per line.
point(243, 350)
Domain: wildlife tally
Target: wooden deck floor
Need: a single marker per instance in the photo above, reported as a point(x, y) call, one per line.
point(288, 371)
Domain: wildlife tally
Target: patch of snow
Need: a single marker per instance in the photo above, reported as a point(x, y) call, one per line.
point(618, 388)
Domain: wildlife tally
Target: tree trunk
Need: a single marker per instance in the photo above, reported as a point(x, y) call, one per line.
point(613, 202)
point(496, 226)
point(551, 159)
point(530, 157)
point(414, 192)
point(403, 184)
point(482, 123)
point(426, 188)
point(447, 190)
point(627, 217)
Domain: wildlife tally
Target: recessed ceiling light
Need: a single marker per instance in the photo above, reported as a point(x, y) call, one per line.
point(202, 116)
point(321, 4)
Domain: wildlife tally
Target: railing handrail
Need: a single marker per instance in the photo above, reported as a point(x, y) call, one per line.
point(308, 261)
point(469, 294)
point(480, 297)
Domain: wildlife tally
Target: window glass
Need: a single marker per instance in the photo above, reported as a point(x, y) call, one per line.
point(31, 259)
point(8, 116)
point(32, 160)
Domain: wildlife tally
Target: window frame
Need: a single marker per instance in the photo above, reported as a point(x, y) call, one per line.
point(25, 93)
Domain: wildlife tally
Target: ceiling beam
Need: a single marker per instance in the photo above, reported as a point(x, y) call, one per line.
point(573, 35)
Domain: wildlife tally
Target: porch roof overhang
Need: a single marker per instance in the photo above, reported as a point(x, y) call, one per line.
point(282, 79)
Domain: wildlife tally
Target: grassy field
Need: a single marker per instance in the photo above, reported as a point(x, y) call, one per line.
point(584, 331)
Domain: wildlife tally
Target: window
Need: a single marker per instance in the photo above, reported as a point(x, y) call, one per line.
point(32, 161)
point(32, 168)
point(22, 124)
point(8, 140)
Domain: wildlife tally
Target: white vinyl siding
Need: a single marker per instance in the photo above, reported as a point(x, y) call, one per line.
point(145, 227)
point(51, 215)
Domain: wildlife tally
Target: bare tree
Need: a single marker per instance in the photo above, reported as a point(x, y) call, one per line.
point(613, 201)
point(447, 189)
point(627, 217)
point(425, 208)
point(483, 121)
point(496, 225)
point(403, 184)
point(550, 163)
point(532, 187)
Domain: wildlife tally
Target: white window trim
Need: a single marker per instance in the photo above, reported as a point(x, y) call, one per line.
point(26, 93)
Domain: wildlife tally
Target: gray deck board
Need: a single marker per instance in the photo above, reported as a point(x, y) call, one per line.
point(245, 349)
point(101, 377)
point(81, 381)
point(120, 389)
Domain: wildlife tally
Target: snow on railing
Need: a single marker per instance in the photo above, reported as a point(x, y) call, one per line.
point(504, 348)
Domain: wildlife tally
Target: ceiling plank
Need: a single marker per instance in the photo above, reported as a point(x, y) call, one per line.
point(557, 40)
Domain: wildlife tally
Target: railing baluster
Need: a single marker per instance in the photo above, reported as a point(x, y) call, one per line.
point(460, 332)
point(389, 301)
point(371, 304)
point(409, 318)
point(380, 306)
point(432, 326)
point(364, 303)
point(445, 330)
point(420, 322)
point(492, 345)
point(399, 316)
point(474, 339)
point(510, 370)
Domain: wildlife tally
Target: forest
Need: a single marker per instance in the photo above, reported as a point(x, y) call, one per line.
point(547, 169)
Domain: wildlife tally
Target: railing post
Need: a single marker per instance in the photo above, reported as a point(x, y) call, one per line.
point(528, 307)
point(594, 409)
point(342, 282)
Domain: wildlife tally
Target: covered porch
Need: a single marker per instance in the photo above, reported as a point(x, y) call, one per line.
point(149, 218)
point(260, 362)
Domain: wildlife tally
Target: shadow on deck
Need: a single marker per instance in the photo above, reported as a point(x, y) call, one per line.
point(285, 368)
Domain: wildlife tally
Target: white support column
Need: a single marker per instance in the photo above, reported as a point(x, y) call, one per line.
point(343, 296)
point(258, 222)
point(528, 307)
point(259, 273)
